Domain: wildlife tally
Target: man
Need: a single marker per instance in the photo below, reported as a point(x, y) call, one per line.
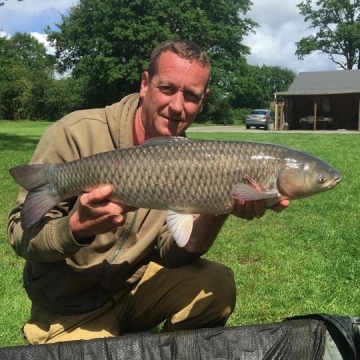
point(96, 268)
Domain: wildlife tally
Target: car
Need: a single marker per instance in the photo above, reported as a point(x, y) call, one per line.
point(259, 118)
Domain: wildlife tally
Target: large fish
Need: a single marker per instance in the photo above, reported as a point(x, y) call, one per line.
point(183, 176)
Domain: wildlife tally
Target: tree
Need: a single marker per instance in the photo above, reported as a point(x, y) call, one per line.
point(254, 86)
point(107, 43)
point(274, 79)
point(61, 96)
point(25, 68)
point(338, 31)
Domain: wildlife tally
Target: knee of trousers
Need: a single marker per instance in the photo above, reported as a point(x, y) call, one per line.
point(217, 280)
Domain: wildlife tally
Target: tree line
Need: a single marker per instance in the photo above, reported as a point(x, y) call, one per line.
point(102, 47)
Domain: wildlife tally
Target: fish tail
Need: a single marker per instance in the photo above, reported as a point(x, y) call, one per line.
point(41, 198)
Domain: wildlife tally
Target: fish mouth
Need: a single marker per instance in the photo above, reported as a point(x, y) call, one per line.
point(335, 182)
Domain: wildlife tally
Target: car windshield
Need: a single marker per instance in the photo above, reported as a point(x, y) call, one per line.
point(258, 112)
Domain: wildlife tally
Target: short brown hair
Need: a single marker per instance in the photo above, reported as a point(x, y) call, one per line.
point(185, 49)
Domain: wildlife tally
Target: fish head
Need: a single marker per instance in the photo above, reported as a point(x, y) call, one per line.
point(306, 177)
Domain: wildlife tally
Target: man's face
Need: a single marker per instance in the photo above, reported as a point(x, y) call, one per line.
point(173, 97)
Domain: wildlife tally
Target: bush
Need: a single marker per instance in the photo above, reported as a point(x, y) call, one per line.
point(238, 115)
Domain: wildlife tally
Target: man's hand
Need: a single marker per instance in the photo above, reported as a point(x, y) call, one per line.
point(96, 214)
point(256, 209)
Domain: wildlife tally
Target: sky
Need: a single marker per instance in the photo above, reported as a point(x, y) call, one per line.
point(273, 44)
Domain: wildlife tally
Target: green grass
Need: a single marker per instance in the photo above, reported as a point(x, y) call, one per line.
point(17, 143)
point(303, 260)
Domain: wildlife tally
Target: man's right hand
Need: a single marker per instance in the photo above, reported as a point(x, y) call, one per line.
point(96, 214)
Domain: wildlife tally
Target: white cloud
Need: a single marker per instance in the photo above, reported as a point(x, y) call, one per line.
point(31, 15)
point(42, 38)
point(280, 27)
point(4, 34)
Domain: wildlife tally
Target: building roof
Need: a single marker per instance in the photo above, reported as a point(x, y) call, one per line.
point(324, 83)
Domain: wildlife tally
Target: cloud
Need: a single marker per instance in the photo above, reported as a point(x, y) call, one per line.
point(280, 27)
point(28, 15)
point(4, 34)
point(42, 38)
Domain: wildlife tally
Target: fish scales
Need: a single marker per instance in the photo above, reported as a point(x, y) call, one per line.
point(192, 174)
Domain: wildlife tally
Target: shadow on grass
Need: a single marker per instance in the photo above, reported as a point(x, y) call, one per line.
point(17, 142)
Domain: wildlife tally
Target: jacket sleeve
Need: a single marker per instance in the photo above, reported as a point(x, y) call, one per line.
point(171, 254)
point(47, 240)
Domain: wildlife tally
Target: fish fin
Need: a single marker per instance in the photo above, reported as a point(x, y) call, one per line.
point(252, 182)
point(248, 193)
point(30, 177)
point(40, 199)
point(36, 205)
point(180, 226)
point(165, 140)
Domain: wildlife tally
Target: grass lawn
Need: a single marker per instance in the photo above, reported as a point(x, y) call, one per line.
point(303, 260)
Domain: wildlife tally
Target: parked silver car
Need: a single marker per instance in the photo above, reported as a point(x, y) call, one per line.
point(259, 118)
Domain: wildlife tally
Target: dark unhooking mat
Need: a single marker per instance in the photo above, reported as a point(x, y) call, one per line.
point(293, 339)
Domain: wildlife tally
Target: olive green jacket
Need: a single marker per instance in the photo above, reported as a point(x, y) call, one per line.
point(62, 275)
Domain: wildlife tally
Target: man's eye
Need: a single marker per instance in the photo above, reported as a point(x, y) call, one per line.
point(192, 97)
point(166, 89)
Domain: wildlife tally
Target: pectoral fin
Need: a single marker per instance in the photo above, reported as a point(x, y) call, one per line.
point(180, 226)
point(246, 192)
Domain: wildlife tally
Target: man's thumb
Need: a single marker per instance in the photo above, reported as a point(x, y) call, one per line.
point(101, 193)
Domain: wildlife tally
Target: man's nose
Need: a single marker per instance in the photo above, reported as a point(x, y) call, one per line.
point(177, 102)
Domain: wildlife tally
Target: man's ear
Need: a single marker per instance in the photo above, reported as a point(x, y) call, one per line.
point(207, 92)
point(144, 84)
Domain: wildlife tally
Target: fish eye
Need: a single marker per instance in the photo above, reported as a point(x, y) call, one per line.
point(321, 178)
